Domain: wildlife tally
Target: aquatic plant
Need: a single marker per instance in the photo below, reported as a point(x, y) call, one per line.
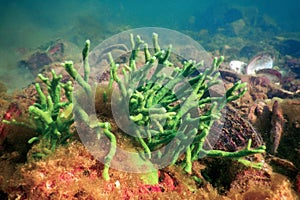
point(79, 108)
point(51, 116)
point(170, 106)
point(173, 105)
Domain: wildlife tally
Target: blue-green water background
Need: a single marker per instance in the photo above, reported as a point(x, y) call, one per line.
point(28, 24)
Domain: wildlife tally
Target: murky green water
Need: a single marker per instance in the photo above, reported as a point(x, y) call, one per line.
point(26, 26)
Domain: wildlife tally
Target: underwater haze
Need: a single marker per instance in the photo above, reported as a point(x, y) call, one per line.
point(32, 26)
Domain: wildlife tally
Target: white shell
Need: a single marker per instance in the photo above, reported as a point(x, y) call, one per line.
point(117, 184)
point(264, 61)
point(237, 66)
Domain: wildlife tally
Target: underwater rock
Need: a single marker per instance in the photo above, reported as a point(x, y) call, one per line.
point(255, 177)
point(250, 51)
point(238, 27)
point(56, 51)
point(236, 132)
point(291, 83)
point(255, 184)
point(265, 22)
point(232, 14)
point(224, 15)
point(36, 62)
point(289, 47)
point(73, 173)
point(231, 52)
point(277, 123)
point(294, 66)
point(230, 75)
point(45, 55)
